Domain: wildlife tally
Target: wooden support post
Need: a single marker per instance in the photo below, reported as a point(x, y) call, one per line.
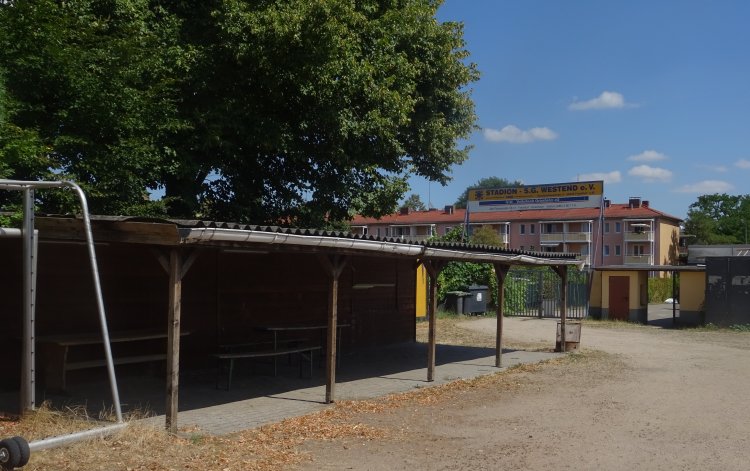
point(674, 299)
point(433, 268)
point(500, 272)
point(333, 265)
point(562, 272)
point(173, 338)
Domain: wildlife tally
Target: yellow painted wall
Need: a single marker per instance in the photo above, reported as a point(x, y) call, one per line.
point(421, 291)
point(595, 297)
point(665, 241)
point(692, 290)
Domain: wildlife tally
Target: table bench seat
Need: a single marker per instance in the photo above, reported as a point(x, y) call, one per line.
point(80, 365)
point(57, 360)
point(306, 353)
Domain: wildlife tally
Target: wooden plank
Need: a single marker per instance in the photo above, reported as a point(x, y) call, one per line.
point(109, 231)
point(562, 272)
point(71, 340)
point(333, 265)
point(266, 353)
point(173, 339)
point(501, 271)
point(80, 365)
point(433, 268)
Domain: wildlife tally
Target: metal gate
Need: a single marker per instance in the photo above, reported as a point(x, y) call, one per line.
point(536, 293)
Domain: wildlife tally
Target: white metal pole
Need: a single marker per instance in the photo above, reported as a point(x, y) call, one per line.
point(29, 296)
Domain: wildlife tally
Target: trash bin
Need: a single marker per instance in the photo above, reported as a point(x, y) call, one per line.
point(476, 301)
point(454, 301)
point(572, 336)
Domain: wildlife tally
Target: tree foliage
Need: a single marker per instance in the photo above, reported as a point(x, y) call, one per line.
point(719, 219)
point(487, 182)
point(458, 276)
point(414, 202)
point(277, 111)
point(486, 235)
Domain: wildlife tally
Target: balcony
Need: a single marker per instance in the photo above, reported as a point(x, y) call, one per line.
point(642, 236)
point(563, 237)
point(413, 238)
point(645, 259)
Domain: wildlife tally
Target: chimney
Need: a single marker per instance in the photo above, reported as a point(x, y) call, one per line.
point(634, 202)
point(645, 203)
point(449, 209)
point(607, 203)
point(404, 211)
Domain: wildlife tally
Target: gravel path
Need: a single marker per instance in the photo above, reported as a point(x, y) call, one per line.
point(637, 397)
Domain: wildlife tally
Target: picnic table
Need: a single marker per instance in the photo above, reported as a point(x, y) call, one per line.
point(278, 329)
point(56, 351)
point(276, 347)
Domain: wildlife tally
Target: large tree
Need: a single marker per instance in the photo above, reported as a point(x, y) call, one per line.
point(719, 219)
point(296, 111)
point(414, 202)
point(486, 182)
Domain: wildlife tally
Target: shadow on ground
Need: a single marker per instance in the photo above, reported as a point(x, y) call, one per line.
point(144, 390)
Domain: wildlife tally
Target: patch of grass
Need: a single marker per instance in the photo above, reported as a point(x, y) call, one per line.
point(716, 328)
point(611, 324)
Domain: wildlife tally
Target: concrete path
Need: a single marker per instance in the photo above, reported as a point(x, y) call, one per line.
point(257, 399)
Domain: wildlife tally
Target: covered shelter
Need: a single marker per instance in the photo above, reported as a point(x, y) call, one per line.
point(201, 285)
point(620, 292)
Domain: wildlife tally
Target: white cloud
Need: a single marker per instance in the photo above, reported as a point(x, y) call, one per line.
point(713, 168)
point(603, 101)
point(706, 187)
point(515, 135)
point(608, 177)
point(743, 164)
point(650, 174)
point(648, 156)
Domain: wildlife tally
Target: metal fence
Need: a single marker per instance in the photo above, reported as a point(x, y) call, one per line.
point(537, 293)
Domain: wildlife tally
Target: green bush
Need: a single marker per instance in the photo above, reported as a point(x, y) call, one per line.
point(660, 289)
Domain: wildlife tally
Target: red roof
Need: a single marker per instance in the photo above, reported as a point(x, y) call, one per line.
point(435, 216)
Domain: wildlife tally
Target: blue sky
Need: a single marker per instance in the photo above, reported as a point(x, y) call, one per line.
point(653, 97)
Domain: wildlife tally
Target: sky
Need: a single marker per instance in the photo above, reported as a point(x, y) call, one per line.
point(653, 97)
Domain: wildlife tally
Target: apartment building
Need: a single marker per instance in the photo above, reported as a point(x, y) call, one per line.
point(631, 233)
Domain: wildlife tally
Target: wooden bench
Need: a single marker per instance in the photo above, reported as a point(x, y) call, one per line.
point(55, 351)
point(305, 352)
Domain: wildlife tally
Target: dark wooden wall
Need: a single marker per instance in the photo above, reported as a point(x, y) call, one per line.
point(225, 295)
point(10, 309)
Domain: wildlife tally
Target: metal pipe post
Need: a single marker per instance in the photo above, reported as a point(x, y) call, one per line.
point(28, 398)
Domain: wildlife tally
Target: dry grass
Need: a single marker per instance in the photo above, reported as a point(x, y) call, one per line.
point(450, 332)
point(141, 446)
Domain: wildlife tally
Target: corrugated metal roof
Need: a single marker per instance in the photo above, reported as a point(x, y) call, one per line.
point(196, 224)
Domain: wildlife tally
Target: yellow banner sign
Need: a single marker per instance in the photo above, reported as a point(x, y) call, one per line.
point(550, 196)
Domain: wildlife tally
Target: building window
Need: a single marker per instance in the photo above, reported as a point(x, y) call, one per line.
point(532, 248)
point(606, 228)
point(606, 250)
point(532, 228)
point(447, 229)
point(523, 229)
point(618, 227)
point(617, 250)
point(364, 231)
point(550, 229)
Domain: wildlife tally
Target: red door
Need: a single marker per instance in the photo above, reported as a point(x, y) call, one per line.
point(619, 297)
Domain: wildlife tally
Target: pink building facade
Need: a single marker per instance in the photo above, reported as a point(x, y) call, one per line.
point(631, 233)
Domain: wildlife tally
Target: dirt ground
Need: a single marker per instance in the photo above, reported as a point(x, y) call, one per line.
point(635, 397)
